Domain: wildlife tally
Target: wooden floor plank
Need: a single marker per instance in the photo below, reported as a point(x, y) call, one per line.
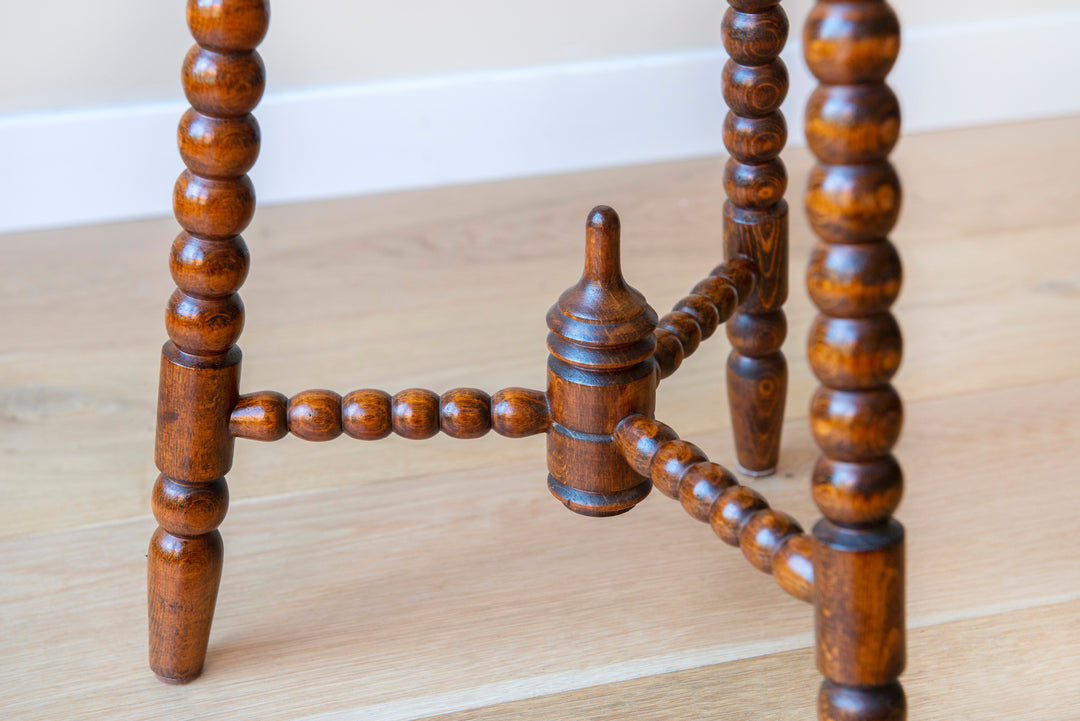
point(380, 601)
point(399, 580)
point(449, 287)
point(939, 682)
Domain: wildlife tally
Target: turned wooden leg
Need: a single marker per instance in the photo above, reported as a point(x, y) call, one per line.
point(756, 226)
point(853, 200)
point(200, 366)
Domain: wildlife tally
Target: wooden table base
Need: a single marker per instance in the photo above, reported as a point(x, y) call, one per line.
point(608, 349)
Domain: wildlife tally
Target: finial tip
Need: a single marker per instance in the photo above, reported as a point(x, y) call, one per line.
point(603, 217)
point(602, 245)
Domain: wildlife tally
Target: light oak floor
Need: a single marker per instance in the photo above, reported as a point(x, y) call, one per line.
point(403, 580)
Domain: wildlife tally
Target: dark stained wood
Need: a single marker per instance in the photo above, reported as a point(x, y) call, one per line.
point(793, 567)
point(365, 414)
point(671, 462)
point(608, 351)
point(853, 199)
point(755, 37)
point(859, 602)
point(857, 494)
point(200, 368)
point(600, 370)
point(853, 203)
point(702, 310)
point(639, 439)
point(701, 485)
point(223, 83)
point(696, 317)
point(211, 207)
point(519, 413)
point(216, 147)
point(771, 540)
point(732, 511)
point(189, 511)
point(721, 293)
point(261, 416)
point(465, 413)
point(837, 702)
point(228, 24)
point(196, 395)
point(854, 354)
point(856, 425)
point(755, 83)
point(686, 329)
point(209, 268)
point(369, 414)
point(183, 574)
point(315, 415)
point(851, 281)
point(669, 353)
point(204, 326)
point(414, 413)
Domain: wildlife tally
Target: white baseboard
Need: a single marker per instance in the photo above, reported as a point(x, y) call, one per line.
point(104, 165)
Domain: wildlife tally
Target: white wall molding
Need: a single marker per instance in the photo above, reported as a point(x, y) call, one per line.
point(109, 164)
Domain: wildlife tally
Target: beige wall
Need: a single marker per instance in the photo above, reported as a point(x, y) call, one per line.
point(65, 53)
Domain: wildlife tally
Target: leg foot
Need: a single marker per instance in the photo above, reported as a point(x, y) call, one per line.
point(757, 390)
point(755, 474)
point(182, 580)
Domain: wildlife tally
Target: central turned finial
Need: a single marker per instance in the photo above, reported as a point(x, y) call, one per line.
point(602, 254)
point(600, 370)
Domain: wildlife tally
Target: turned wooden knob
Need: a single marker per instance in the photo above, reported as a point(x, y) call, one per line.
point(600, 370)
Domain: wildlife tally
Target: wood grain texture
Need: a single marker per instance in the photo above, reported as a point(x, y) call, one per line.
point(709, 492)
point(519, 412)
point(981, 413)
point(1010, 312)
point(260, 416)
point(755, 83)
point(315, 415)
point(748, 689)
point(213, 201)
point(852, 200)
point(696, 316)
point(478, 622)
point(600, 370)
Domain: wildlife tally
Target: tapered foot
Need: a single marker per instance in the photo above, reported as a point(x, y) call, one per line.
point(757, 390)
point(183, 575)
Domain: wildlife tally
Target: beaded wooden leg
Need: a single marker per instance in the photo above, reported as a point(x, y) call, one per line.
point(853, 199)
point(756, 226)
point(600, 370)
point(200, 367)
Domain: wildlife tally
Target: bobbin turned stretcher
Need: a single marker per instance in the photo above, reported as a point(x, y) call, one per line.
point(608, 351)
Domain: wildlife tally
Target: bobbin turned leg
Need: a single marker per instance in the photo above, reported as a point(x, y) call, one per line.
point(200, 366)
point(853, 200)
point(600, 370)
point(756, 225)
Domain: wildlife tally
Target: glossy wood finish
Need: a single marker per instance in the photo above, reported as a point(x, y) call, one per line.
point(366, 414)
point(315, 415)
point(370, 415)
point(755, 83)
point(519, 413)
point(600, 370)
point(414, 413)
point(465, 413)
point(853, 200)
point(772, 541)
point(200, 367)
point(261, 416)
point(607, 350)
point(695, 317)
